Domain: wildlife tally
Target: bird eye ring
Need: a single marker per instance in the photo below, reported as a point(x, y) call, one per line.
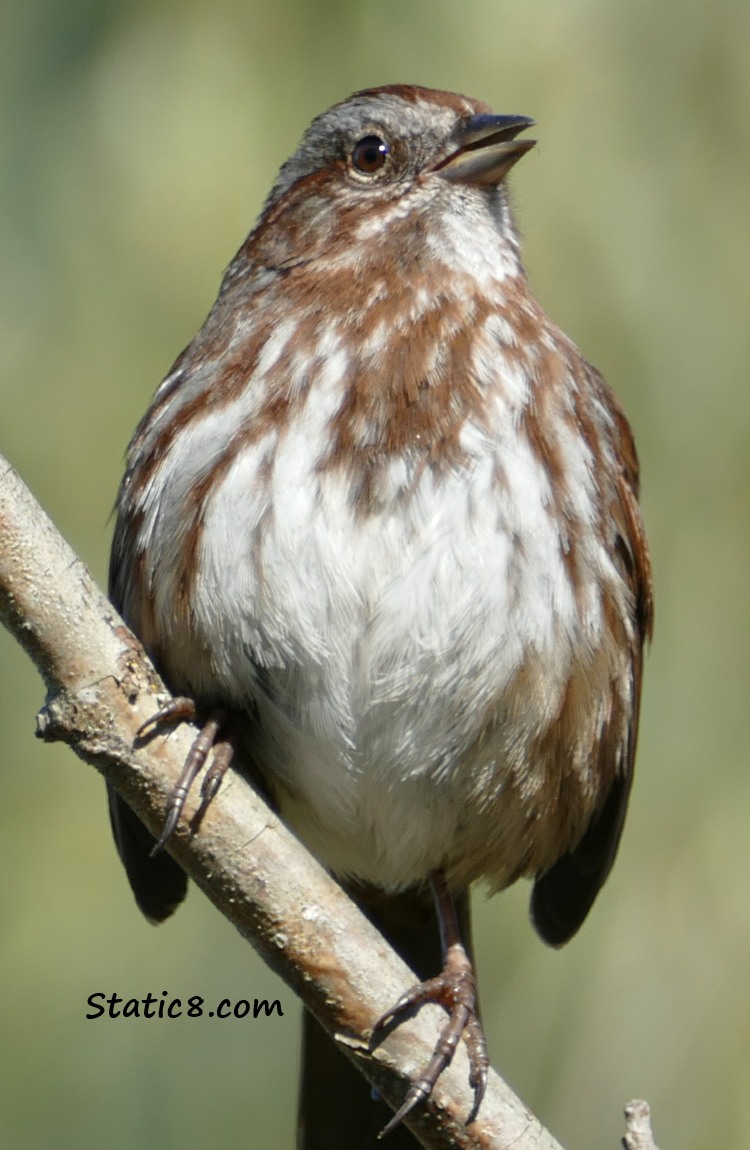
point(369, 155)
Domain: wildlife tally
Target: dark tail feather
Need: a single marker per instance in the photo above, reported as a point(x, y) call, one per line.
point(158, 883)
point(563, 896)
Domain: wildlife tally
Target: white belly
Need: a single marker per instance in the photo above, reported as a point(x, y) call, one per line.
point(404, 665)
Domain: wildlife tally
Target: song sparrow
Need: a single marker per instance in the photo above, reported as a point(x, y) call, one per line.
point(383, 513)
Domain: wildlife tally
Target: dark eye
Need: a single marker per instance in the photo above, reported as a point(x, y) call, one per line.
point(370, 154)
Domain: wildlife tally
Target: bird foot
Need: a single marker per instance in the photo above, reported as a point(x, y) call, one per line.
point(179, 710)
point(454, 989)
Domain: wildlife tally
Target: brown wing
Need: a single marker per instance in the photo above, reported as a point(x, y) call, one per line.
point(563, 896)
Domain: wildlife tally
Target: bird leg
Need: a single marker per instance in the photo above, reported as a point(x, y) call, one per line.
point(455, 989)
point(181, 709)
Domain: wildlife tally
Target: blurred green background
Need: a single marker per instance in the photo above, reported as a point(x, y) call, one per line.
point(137, 140)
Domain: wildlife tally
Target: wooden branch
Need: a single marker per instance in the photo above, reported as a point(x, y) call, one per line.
point(101, 688)
point(638, 1133)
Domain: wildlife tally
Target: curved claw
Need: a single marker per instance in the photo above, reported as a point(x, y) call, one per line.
point(175, 803)
point(212, 780)
point(476, 1048)
point(180, 709)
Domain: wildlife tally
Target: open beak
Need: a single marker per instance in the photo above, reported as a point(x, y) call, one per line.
point(487, 149)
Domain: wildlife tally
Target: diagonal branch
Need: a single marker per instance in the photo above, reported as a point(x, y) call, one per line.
point(101, 688)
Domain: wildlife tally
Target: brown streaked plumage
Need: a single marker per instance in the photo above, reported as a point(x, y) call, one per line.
point(383, 512)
